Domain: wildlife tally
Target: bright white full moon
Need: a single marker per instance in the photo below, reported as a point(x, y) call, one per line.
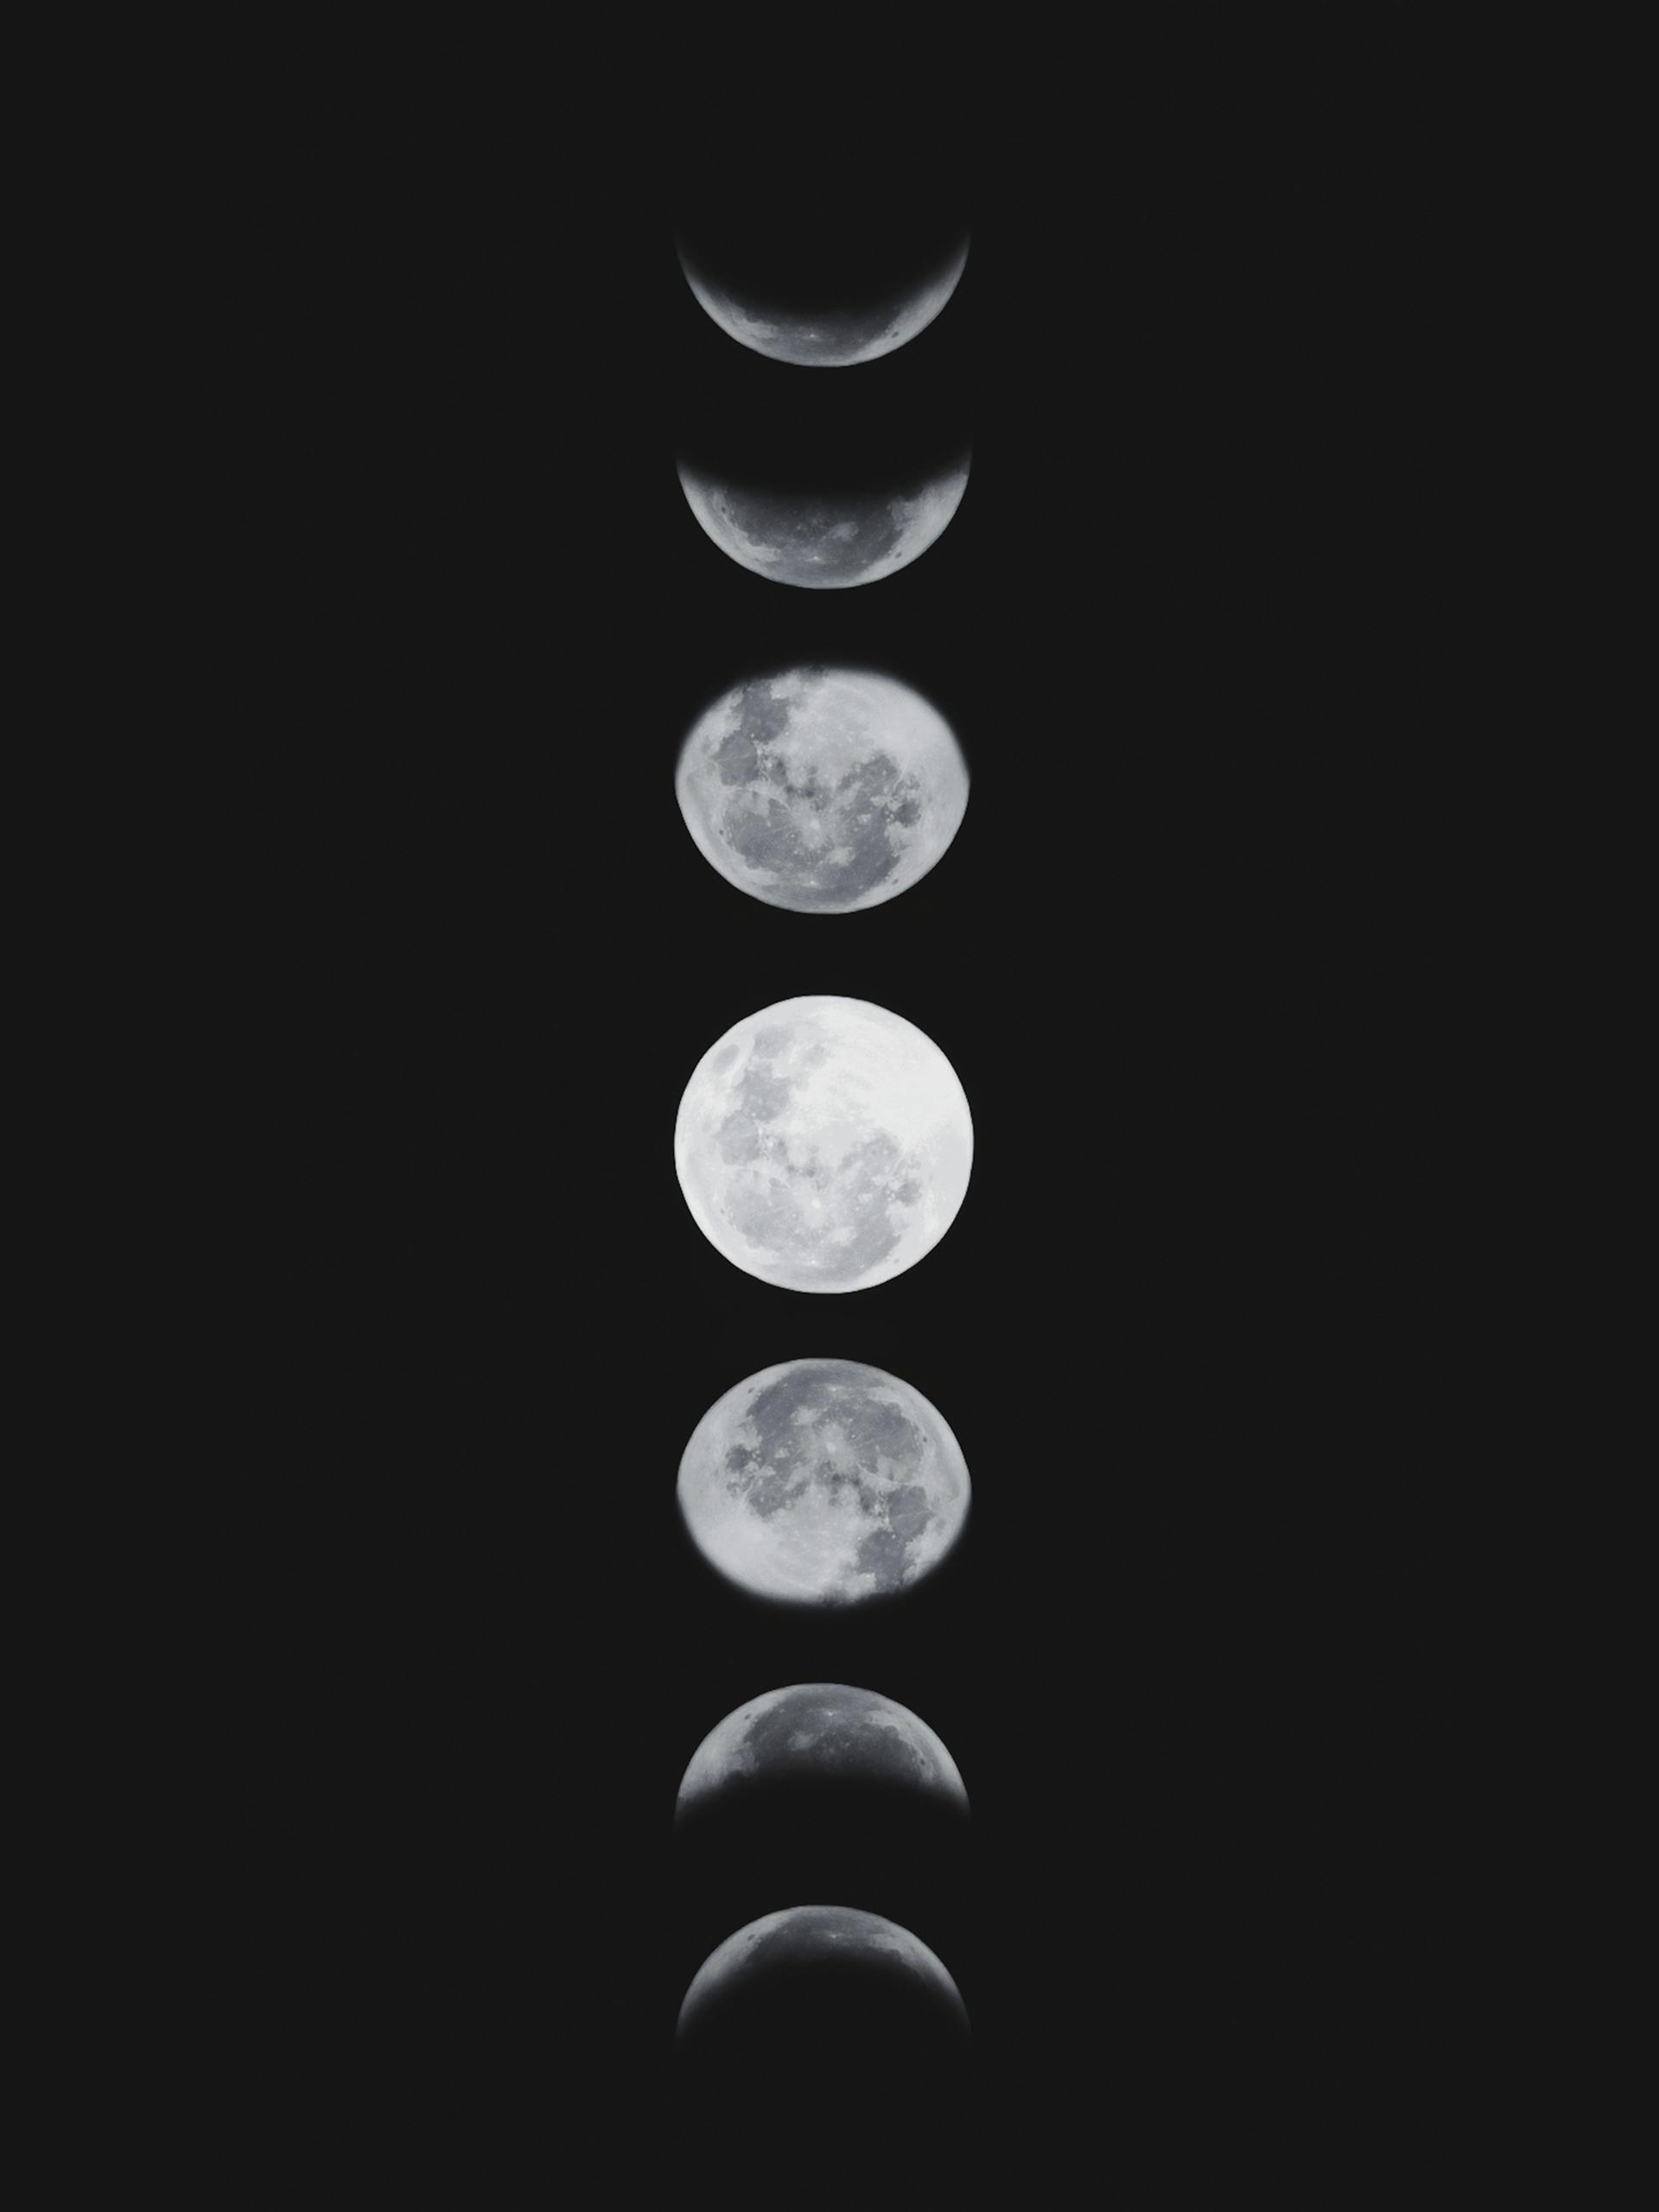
point(823, 1482)
point(824, 1144)
point(832, 338)
point(825, 541)
point(821, 789)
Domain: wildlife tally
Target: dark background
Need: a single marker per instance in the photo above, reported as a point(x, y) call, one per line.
point(1186, 1654)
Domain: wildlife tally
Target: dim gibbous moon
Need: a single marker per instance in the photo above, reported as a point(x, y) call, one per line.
point(821, 789)
point(828, 338)
point(820, 1732)
point(828, 541)
point(824, 1144)
point(807, 1936)
point(823, 1482)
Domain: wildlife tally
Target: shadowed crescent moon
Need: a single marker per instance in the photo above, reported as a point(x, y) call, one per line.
point(809, 1936)
point(832, 338)
point(820, 1732)
point(829, 541)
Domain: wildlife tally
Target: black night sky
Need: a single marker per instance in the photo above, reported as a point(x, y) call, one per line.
point(1183, 1654)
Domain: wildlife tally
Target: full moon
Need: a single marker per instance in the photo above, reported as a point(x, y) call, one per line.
point(807, 1938)
point(823, 1482)
point(821, 789)
point(820, 1732)
point(828, 338)
point(824, 1144)
point(826, 541)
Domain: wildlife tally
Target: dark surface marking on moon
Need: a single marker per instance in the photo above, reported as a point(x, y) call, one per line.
point(760, 718)
point(908, 1512)
point(877, 1428)
point(739, 1140)
point(882, 1556)
point(764, 1096)
point(884, 1552)
point(872, 1168)
point(804, 1390)
point(830, 1475)
point(769, 1492)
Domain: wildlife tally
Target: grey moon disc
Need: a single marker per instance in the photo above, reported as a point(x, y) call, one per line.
point(828, 337)
point(815, 1731)
point(827, 542)
point(807, 1933)
point(821, 789)
point(824, 1144)
point(823, 1482)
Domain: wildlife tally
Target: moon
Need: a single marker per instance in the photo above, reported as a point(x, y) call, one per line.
point(821, 789)
point(829, 338)
point(828, 541)
point(807, 1940)
point(820, 1732)
point(824, 1144)
point(823, 1482)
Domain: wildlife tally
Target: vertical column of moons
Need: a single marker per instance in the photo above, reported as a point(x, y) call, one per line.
point(823, 1145)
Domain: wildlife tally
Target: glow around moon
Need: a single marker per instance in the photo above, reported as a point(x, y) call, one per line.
point(821, 789)
point(820, 1732)
point(828, 542)
point(823, 1482)
point(808, 1935)
point(831, 338)
point(824, 1144)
